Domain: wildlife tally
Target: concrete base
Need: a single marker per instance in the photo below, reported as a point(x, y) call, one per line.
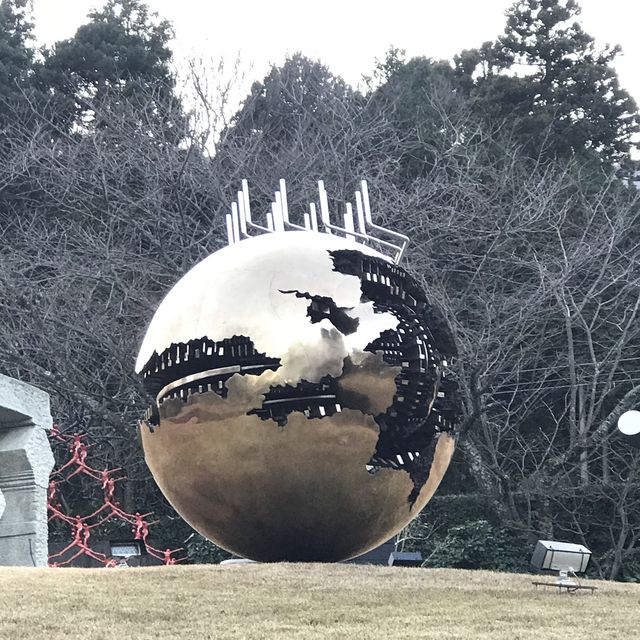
point(25, 464)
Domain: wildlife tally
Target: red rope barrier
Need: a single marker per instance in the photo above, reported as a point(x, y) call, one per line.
point(81, 526)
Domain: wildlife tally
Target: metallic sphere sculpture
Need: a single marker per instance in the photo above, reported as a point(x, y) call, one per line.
point(302, 410)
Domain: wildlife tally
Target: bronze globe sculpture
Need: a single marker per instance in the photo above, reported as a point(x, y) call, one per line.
point(302, 411)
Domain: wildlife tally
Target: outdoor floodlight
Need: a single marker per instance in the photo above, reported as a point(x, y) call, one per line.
point(565, 558)
point(127, 548)
point(405, 559)
point(629, 427)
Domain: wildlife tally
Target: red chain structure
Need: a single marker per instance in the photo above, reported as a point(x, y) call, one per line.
point(81, 526)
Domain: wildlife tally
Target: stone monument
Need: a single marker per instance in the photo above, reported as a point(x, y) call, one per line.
point(25, 463)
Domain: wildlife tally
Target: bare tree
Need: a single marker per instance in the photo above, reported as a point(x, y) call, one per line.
point(534, 265)
point(537, 269)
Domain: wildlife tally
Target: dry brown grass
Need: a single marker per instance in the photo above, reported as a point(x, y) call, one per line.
point(304, 601)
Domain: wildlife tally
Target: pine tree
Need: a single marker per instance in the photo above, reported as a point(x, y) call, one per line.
point(121, 55)
point(546, 76)
point(16, 58)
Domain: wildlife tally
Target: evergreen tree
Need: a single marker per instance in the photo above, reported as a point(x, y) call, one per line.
point(421, 100)
point(547, 77)
point(300, 91)
point(122, 51)
point(16, 57)
point(300, 121)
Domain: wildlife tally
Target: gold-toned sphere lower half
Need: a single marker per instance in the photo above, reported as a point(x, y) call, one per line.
point(300, 492)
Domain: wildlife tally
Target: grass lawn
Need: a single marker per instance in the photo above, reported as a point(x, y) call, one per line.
point(304, 601)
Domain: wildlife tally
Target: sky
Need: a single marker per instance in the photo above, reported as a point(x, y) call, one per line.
point(346, 35)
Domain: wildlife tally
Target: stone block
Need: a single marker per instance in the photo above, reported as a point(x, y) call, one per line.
point(25, 464)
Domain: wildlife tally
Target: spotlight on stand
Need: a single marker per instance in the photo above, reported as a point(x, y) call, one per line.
point(629, 427)
point(564, 558)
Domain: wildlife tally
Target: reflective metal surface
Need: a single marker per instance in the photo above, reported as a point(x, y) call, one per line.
point(297, 493)
point(238, 291)
point(302, 411)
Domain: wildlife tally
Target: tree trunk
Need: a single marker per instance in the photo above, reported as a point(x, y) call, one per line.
point(582, 438)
